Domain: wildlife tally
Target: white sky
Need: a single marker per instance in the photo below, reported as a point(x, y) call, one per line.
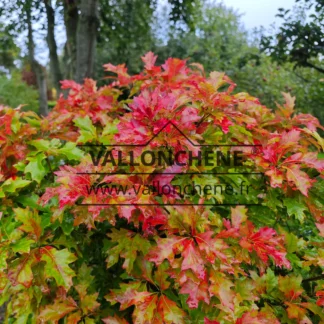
point(258, 12)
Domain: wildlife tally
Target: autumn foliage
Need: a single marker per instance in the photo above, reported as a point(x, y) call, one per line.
point(68, 255)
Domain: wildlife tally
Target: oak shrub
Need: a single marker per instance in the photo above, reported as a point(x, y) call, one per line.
point(61, 262)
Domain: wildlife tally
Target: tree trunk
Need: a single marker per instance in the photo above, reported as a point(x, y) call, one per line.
point(36, 67)
point(71, 17)
point(42, 88)
point(54, 60)
point(86, 39)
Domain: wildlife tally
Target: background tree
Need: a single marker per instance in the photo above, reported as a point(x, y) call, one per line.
point(217, 40)
point(9, 51)
point(300, 38)
point(86, 39)
point(200, 31)
point(37, 68)
point(71, 18)
point(56, 73)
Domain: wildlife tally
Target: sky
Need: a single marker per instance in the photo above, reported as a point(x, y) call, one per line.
point(258, 12)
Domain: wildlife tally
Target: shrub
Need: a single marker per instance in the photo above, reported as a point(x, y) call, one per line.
point(71, 249)
point(15, 92)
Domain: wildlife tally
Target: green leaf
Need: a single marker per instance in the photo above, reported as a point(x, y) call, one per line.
point(35, 167)
point(294, 260)
point(84, 276)
point(87, 131)
point(291, 242)
point(20, 270)
point(108, 132)
point(31, 222)
point(12, 185)
point(15, 123)
point(294, 207)
point(20, 166)
point(58, 310)
point(129, 244)
point(23, 245)
point(89, 320)
point(57, 265)
point(46, 146)
point(71, 151)
point(67, 223)
point(31, 201)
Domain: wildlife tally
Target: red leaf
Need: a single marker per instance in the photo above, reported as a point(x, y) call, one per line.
point(149, 60)
point(298, 178)
point(198, 291)
point(208, 321)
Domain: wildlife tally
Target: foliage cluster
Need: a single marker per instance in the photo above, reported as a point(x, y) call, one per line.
point(60, 261)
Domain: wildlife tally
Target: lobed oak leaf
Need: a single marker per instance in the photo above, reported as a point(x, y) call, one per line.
point(129, 245)
point(276, 177)
point(221, 287)
point(149, 60)
point(105, 102)
point(294, 207)
point(142, 269)
point(288, 108)
point(88, 131)
point(128, 295)
point(174, 67)
point(192, 260)
point(294, 311)
point(88, 303)
point(312, 161)
point(70, 84)
point(197, 291)
point(161, 276)
point(265, 243)
point(299, 178)
point(57, 265)
point(238, 216)
point(310, 121)
point(60, 308)
point(31, 222)
point(166, 249)
point(74, 318)
point(255, 317)
point(123, 77)
point(171, 313)
point(146, 311)
point(290, 286)
point(289, 139)
point(20, 270)
point(21, 246)
point(36, 168)
point(216, 79)
point(212, 247)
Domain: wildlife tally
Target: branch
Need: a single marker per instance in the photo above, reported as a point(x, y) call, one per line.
point(314, 278)
point(319, 69)
point(299, 76)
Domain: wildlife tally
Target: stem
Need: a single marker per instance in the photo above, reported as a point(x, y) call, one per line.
point(314, 278)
